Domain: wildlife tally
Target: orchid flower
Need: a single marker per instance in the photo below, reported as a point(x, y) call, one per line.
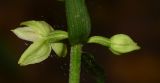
point(41, 34)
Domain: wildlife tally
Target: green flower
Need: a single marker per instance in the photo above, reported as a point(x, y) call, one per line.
point(122, 43)
point(118, 44)
point(42, 36)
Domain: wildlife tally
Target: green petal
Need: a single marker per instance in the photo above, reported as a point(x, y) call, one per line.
point(35, 53)
point(60, 49)
point(40, 26)
point(57, 35)
point(26, 33)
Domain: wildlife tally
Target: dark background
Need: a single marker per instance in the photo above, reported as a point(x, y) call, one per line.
point(138, 18)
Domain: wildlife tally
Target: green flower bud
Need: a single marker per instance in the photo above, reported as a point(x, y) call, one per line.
point(122, 43)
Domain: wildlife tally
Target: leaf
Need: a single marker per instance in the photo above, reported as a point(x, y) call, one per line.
point(26, 33)
point(35, 53)
point(60, 49)
point(41, 27)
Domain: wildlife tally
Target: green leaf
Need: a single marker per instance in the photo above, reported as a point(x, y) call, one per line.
point(60, 49)
point(41, 27)
point(35, 53)
point(27, 33)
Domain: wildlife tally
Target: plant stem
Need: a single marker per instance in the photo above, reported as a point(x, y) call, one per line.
point(75, 63)
point(78, 20)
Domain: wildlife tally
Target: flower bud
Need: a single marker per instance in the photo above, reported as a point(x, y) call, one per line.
point(122, 43)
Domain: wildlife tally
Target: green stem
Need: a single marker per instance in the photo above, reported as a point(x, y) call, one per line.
point(75, 63)
point(78, 20)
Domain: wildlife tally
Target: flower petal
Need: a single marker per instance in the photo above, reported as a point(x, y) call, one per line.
point(26, 33)
point(40, 26)
point(60, 49)
point(57, 35)
point(35, 53)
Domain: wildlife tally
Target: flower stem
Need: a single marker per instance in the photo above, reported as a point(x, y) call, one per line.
point(75, 63)
point(78, 21)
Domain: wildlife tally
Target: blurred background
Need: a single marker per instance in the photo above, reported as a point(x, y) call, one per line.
point(138, 18)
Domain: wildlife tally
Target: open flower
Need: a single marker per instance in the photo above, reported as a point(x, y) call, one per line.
point(41, 34)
